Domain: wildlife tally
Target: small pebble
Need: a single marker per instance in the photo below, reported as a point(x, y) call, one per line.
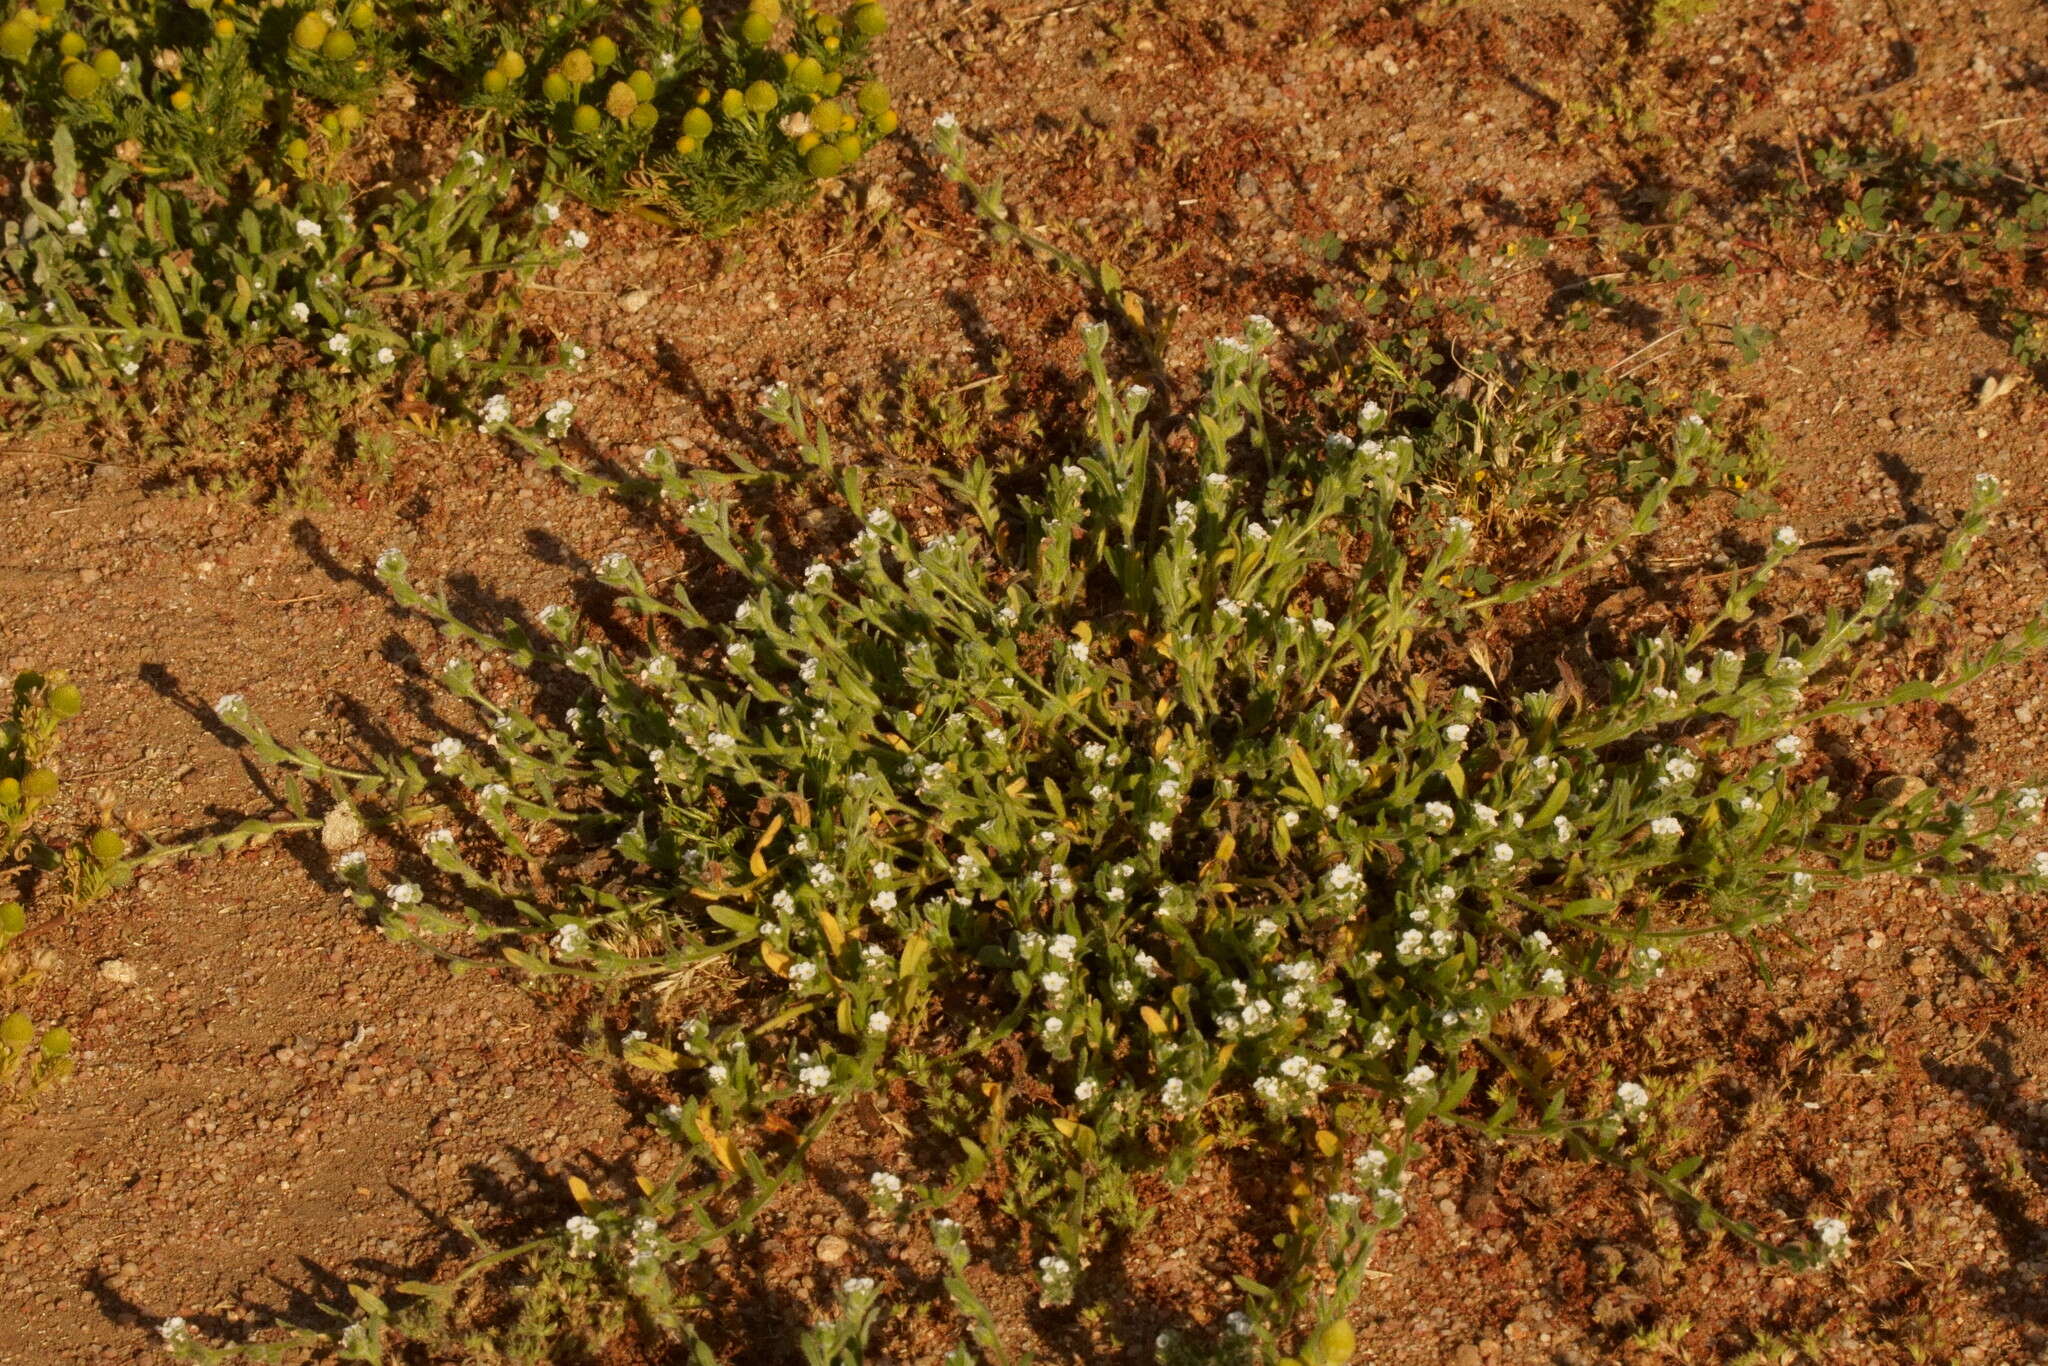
point(118, 970)
point(831, 1249)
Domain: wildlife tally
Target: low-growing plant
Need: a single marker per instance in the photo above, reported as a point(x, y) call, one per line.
point(189, 331)
point(82, 868)
point(1155, 780)
point(1921, 218)
point(651, 107)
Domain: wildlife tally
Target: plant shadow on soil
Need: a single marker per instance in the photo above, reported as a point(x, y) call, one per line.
point(1999, 1186)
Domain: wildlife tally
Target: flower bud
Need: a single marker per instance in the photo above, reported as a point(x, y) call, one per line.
point(49, 9)
point(512, 64)
point(756, 31)
point(56, 1042)
point(579, 67)
point(620, 101)
point(833, 82)
point(644, 118)
point(697, 124)
point(72, 44)
point(17, 37)
point(13, 920)
point(65, 701)
point(643, 86)
point(807, 75)
point(887, 123)
point(732, 104)
point(827, 117)
point(107, 63)
point(310, 32)
point(495, 82)
point(10, 794)
point(873, 99)
point(296, 151)
point(849, 146)
point(832, 43)
point(762, 97)
point(362, 15)
point(349, 117)
point(693, 21)
point(871, 19)
point(555, 86)
point(789, 61)
point(687, 145)
point(585, 119)
point(807, 141)
point(40, 784)
point(339, 47)
point(771, 10)
point(603, 50)
point(106, 846)
point(80, 81)
point(223, 28)
point(825, 161)
point(330, 125)
point(17, 1031)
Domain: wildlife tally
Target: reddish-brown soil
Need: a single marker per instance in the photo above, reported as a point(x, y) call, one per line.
point(278, 1101)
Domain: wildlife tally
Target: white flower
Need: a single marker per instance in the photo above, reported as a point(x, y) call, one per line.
point(578, 238)
point(2028, 802)
point(230, 706)
point(351, 862)
point(385, 355)
point(1421, 1075)
point(1053, 982)
point(1666, 827)
point(582, 1231)
point(1157, 831)
point(1788, 745)
point(1881, 578)
point(1290, 819)
point(878, 1022)
point(815, 1077)
point(1079, 650)
point(497, 410)
point(405, 894)
point(803, 974)
point(571, 939)
point(307, 229)
point(2041, 863)
point(1322, 626)
point(1833, 1233)
point(1485, 815)
point(1174, 1095)
point(338, 343)
point(1985, 485)
point(1503, 853)
point(1085, 1089)
point(1551, 979)
point(1439, 813)
point(1631, 1098)
point(947, 121)
point(174, 1330)
point(299, 311)
point(1456, 733)
point(883, 901)
point(1786, 537)
point(548, 213)
point(1342, 878)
